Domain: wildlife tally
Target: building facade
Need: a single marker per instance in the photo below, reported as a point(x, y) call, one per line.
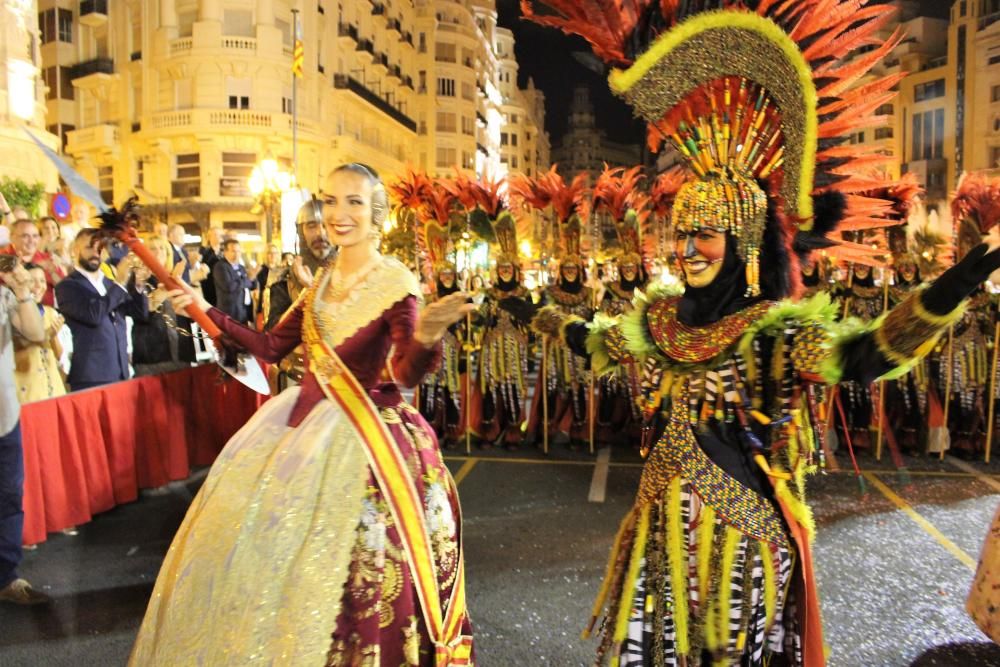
point(524, 143)
point(179, 100)
point(22, 97)
point(584, 147)
point(946, 118)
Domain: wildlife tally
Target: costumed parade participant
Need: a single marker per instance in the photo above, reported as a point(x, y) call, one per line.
point(905, 402)
point(441, 391)
point(564, 376)
point(617, 194)
point(503, 355)
point(860, 299)
point(440, 395)
point(713, 565)
point(287, 283)
point(975, 209)
point(327, 532)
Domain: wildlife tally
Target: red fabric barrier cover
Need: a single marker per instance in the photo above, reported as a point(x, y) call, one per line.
point(88, 451)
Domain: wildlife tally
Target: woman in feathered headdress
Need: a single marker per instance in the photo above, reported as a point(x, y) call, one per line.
point(617, 195)
point(441, 390)
point(565, 377)
point(503, 357)
point(713, 565)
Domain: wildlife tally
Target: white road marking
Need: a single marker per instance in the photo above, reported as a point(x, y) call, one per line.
point(599, 482)
point(978, 474)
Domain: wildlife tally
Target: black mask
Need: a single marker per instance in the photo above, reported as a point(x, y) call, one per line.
point(867, 281)
point(507, 285)
point(638, 281)
point(570, 287)
point(810, 279)
point(445, 291)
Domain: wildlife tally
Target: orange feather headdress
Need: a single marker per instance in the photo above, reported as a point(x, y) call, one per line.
point(758, 99)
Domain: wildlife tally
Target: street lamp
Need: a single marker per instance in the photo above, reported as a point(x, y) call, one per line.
point(267, 183)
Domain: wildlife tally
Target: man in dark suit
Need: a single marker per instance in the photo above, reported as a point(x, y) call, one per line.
point(176, 238)
point(95, 308)
point(233, 284)
point(210, 254)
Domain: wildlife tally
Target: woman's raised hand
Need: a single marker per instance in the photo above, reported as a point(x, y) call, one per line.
point(438, 316)
point(180, 299)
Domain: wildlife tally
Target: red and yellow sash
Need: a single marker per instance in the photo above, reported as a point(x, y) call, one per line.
point(444, 624)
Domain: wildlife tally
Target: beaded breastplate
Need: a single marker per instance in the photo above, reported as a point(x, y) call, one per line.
point(688, 344)
point(567, 299)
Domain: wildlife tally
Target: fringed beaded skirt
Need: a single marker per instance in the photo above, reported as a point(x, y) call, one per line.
point(288, 554)
point(700, 571)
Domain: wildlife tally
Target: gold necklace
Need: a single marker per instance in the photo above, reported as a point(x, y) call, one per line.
point(338, 287)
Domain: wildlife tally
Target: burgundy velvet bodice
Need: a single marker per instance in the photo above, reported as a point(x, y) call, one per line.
point(364, 352)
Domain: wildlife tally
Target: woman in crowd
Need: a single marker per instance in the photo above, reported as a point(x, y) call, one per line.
point(328, 530)
point(155, 341)
point(36, 365)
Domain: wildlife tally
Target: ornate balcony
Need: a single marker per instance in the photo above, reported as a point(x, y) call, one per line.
point(94, 13)
point(344, 82)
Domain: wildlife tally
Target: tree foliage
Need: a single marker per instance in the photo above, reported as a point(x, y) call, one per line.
point(19, 193)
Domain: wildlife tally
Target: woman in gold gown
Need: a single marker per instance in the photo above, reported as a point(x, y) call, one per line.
point(328, 531)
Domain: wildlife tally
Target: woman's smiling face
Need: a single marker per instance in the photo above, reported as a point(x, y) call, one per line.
point(701, 253)
point(347, 208)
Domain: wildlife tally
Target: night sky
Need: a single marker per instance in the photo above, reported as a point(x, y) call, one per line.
point(545, 54)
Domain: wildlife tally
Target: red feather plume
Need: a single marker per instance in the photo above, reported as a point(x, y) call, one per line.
point(410, 190)
point(977, 198)
point(617, 190)
point(565, 198)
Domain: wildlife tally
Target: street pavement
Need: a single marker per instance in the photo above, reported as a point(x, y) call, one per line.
point(895, 557)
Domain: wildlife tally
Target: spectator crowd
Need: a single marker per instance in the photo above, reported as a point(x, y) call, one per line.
point(78, 311)
point(106, 318)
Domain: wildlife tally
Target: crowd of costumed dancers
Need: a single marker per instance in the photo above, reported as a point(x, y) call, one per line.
point(590, 245)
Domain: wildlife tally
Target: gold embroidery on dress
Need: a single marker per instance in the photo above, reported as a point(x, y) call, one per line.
point(389, 282)
point(411, 643)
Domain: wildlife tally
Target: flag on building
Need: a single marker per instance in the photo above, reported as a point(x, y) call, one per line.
point(298, 58)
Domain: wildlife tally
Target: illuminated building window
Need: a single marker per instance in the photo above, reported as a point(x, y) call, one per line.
point(446, 87)
point(187, 176)
point(445, 122)
point(929, 90)
point(445, 157)
point(106, 182)
point(56, 24)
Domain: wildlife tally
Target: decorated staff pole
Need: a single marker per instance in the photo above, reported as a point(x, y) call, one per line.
point(993, 389)
point(947, 382)
point(881, 383)
point(467, 406)
point(544, 382)
point(591, 396)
